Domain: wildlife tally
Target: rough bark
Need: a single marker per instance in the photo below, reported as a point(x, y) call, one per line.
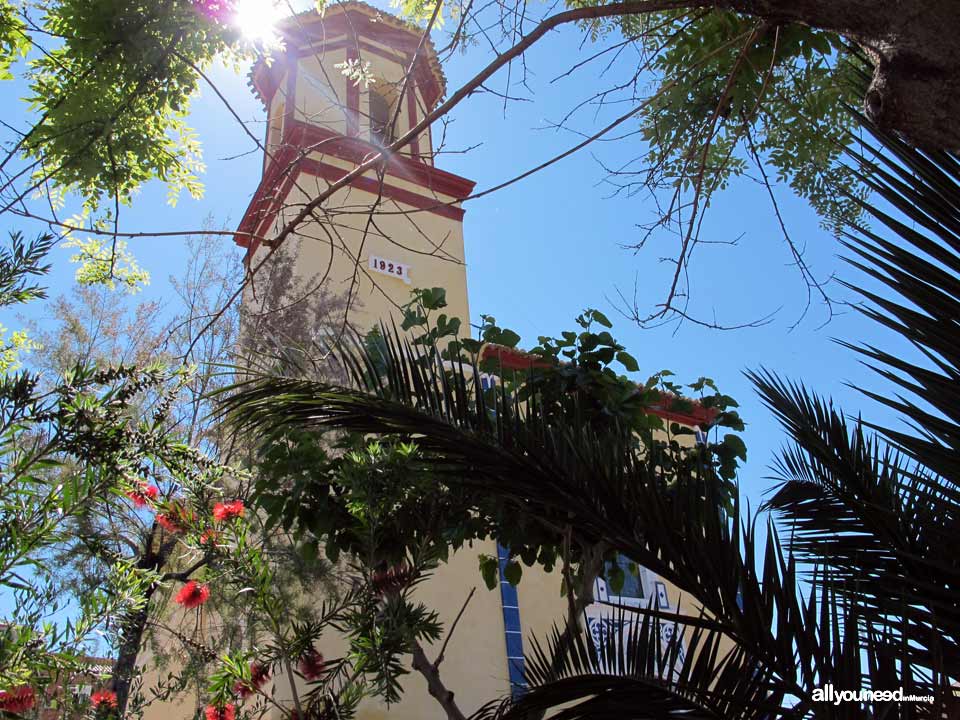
point(914, 46)
point(125, 666)
point(435, 685)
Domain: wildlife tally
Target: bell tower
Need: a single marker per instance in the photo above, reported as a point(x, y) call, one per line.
point(340, 91)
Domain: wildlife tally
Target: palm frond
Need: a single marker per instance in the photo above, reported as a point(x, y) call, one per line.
point(655, 668)
point(550, 468)
point(922, 269)
point(881, 523)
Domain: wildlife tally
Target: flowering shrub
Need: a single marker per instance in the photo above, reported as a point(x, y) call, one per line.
point(103, 699)
point(227, 511)
point(143, 495)
point(192, 595)
point(227, 711)
point(17, 700)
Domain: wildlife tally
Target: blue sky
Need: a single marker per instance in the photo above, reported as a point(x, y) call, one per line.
point(540, 251)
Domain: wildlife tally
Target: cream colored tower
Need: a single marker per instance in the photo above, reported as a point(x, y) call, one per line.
point(374, 241)
point(341, 92)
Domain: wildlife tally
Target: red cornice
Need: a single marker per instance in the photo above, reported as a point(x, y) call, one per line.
point(291, 160)
point(513, 359)
point(306, 136)
point(371, 185)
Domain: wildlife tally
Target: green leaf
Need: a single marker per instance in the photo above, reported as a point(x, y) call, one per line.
point(736, 445)
point(488, 569)
point(600, 318)
point(512, 572)
point(628, 361)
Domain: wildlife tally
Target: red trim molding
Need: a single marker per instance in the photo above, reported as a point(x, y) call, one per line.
point(513, 359)
point(314, 138)
point(292, 159)
point(373, 186)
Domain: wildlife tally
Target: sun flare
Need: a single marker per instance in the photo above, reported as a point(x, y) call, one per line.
point(257, 20)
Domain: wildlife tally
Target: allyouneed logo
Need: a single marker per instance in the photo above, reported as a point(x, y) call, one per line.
point(830, 695)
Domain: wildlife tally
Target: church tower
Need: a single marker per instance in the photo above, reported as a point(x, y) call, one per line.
point(338, 93)
point(395, 228)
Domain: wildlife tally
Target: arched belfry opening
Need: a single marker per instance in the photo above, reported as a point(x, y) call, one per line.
point(381, 112)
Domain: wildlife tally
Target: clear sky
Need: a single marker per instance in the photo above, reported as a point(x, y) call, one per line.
point(542, 250)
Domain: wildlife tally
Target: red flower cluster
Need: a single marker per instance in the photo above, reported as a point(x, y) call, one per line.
point(225, 712)
point(102, 699)
point(209, 537)
point(143, 494)
point(192, 594)
point(18, 699)
point(259, 674)
point(311, 664)
point(392, 580)
point(228, 511)
point(175, 519)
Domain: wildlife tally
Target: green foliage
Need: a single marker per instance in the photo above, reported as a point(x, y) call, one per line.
point(14, 41)
point(114, 94)
point(18, 264)
point(381, 502)
point(727, 86)
point(105, 262)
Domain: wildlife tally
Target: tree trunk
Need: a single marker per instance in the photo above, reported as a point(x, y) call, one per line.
point(125, 666)
point(915, 49)
point(435, 685)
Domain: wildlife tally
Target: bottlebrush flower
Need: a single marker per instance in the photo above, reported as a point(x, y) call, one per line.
point(18, 699)
point(392, 580)
point(311, 664)
point(175, 519)
point(209, 538)
point(259, 674)
point(103, 699)
point(224, 712)
point(228, 510)
point(143, 494)
point(192, 594)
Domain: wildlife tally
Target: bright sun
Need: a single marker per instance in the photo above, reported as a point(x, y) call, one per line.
point(257, 20)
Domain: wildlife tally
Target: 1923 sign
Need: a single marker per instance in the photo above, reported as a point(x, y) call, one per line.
point(390, 267)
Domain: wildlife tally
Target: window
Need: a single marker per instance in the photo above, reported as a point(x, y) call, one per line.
point(622, 582)
point(381, 131)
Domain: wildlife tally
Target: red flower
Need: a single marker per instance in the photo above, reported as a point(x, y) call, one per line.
point(192, 594)
point(392, 580)
point(228, 511)
point(311, 664)
point(209, 537)
point(18, 699)
point(176, 519)
point(103, 699)
point(226, 712)
point(143, 494)
point(259, 674)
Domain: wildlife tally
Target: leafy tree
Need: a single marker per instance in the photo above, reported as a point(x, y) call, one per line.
point(69, 448)
point(870, 514)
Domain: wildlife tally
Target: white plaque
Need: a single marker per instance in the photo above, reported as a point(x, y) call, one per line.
point(395, 269)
